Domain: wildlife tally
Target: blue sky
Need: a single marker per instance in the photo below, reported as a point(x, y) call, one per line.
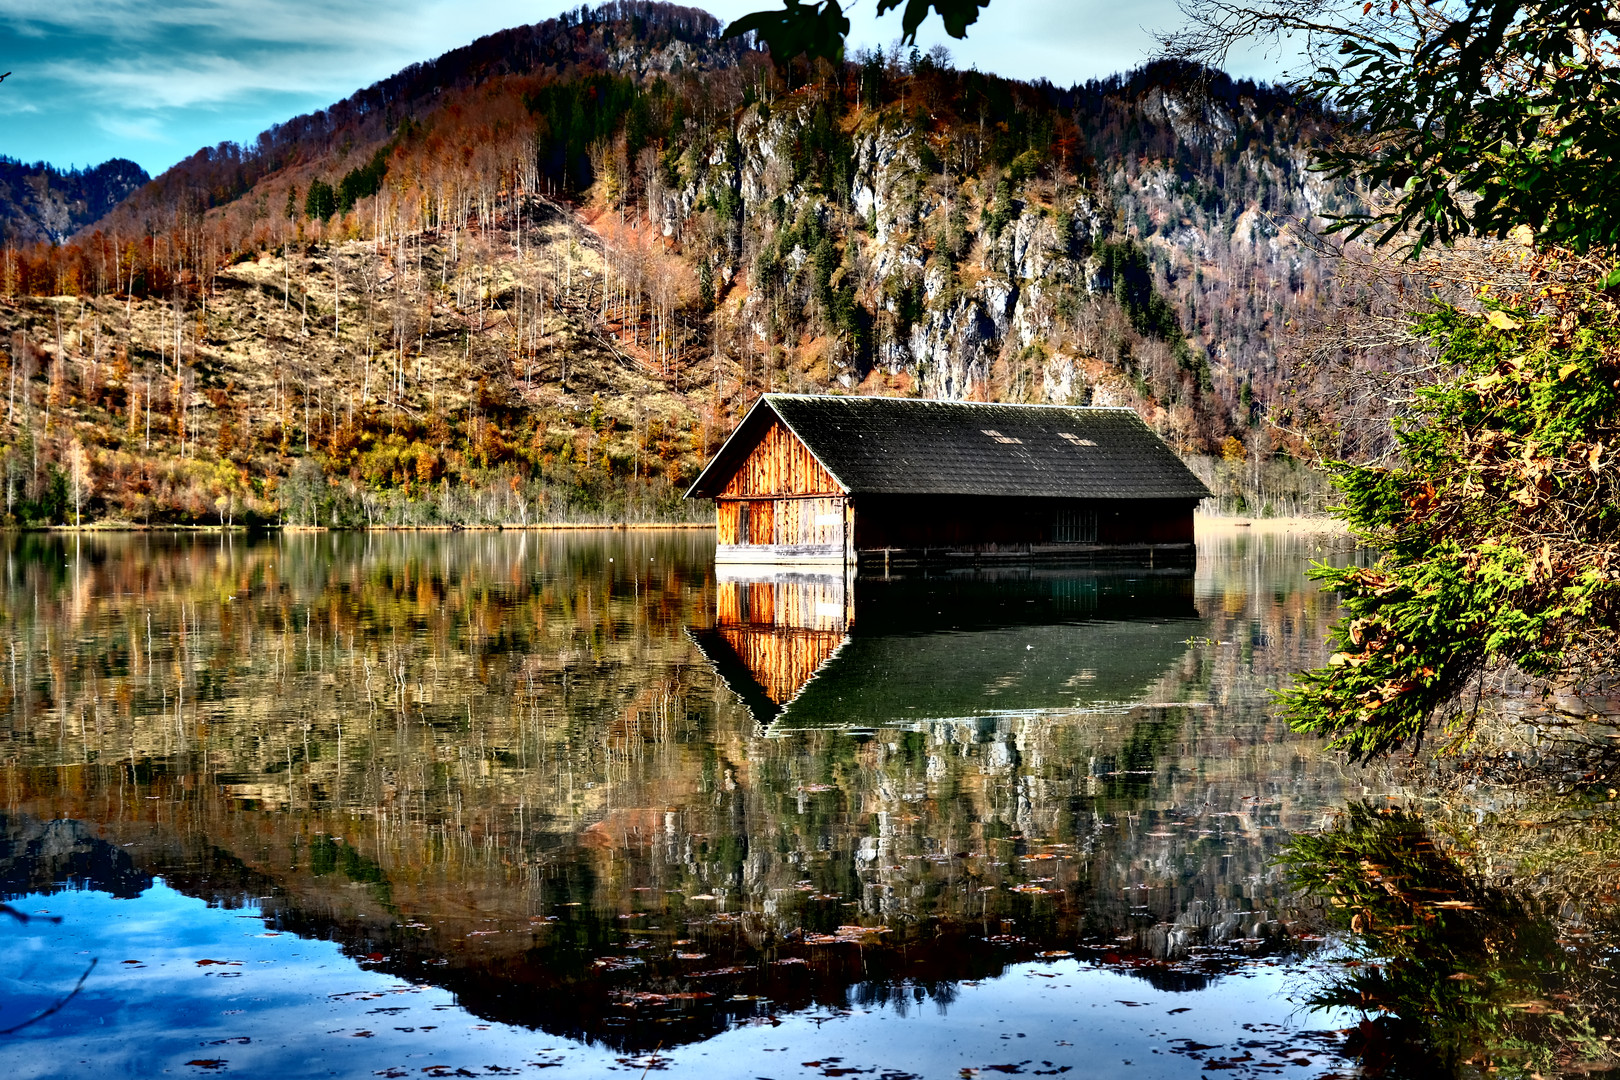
point(153, 82)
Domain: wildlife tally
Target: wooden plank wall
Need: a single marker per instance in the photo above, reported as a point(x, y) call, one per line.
point(782, 661)
point(979, 523)
point(789, 522)
point(778, 465)
point(809, 603)
point(761, 522)
point(809, 521)
point(726, 521)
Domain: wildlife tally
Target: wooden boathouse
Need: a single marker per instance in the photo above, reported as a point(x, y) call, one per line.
point(864, 480)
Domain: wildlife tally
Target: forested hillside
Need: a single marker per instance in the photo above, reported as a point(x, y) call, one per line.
point(542, 276)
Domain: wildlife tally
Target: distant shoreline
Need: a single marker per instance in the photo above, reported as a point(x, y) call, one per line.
point(125, 527)
point(1226, 526)
point(1202, 525)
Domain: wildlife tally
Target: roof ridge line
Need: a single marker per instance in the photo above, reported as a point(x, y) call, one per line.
point(950, 401)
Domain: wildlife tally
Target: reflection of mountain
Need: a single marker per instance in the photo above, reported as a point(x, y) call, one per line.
point(813, 651)
point(483, 733)
point(46, 856)
point(653, 970)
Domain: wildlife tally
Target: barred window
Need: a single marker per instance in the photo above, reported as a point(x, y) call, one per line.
point(1072, 525)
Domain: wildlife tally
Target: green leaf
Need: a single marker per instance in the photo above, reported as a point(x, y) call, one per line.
point(815, 30)
point(957, 15)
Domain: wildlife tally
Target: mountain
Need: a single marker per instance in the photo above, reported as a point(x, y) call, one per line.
point(42, 203)
point(542, 276)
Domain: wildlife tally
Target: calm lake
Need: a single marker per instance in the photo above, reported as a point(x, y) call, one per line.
point(492, 804)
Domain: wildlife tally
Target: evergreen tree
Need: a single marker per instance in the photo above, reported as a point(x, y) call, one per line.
point(321, 203)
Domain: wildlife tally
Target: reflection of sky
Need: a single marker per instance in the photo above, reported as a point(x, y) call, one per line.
point(289, 1008)
point(155, 82)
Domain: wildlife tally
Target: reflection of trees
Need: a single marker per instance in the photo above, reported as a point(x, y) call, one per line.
point(473, 733)
point(1453, 971)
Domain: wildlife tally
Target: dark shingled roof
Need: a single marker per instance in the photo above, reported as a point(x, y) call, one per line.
point(910, 446)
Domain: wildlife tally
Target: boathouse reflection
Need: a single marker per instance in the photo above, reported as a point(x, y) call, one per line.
point(805, 650)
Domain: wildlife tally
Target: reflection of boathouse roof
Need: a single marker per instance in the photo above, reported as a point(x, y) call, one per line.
point(892, 680)
point(899, 446)
point(958, 648)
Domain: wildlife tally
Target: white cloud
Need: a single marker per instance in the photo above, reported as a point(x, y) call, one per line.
point(124, 127)
point(187, 55)
point(200, 81)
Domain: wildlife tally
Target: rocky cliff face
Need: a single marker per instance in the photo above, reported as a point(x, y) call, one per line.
point(1154, 281)
point(42, 203)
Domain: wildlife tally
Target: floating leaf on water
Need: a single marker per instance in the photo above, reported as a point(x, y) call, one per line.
point(633, 999)
point(617, 963)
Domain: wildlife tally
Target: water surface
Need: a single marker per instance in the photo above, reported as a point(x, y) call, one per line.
point(413, 804)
